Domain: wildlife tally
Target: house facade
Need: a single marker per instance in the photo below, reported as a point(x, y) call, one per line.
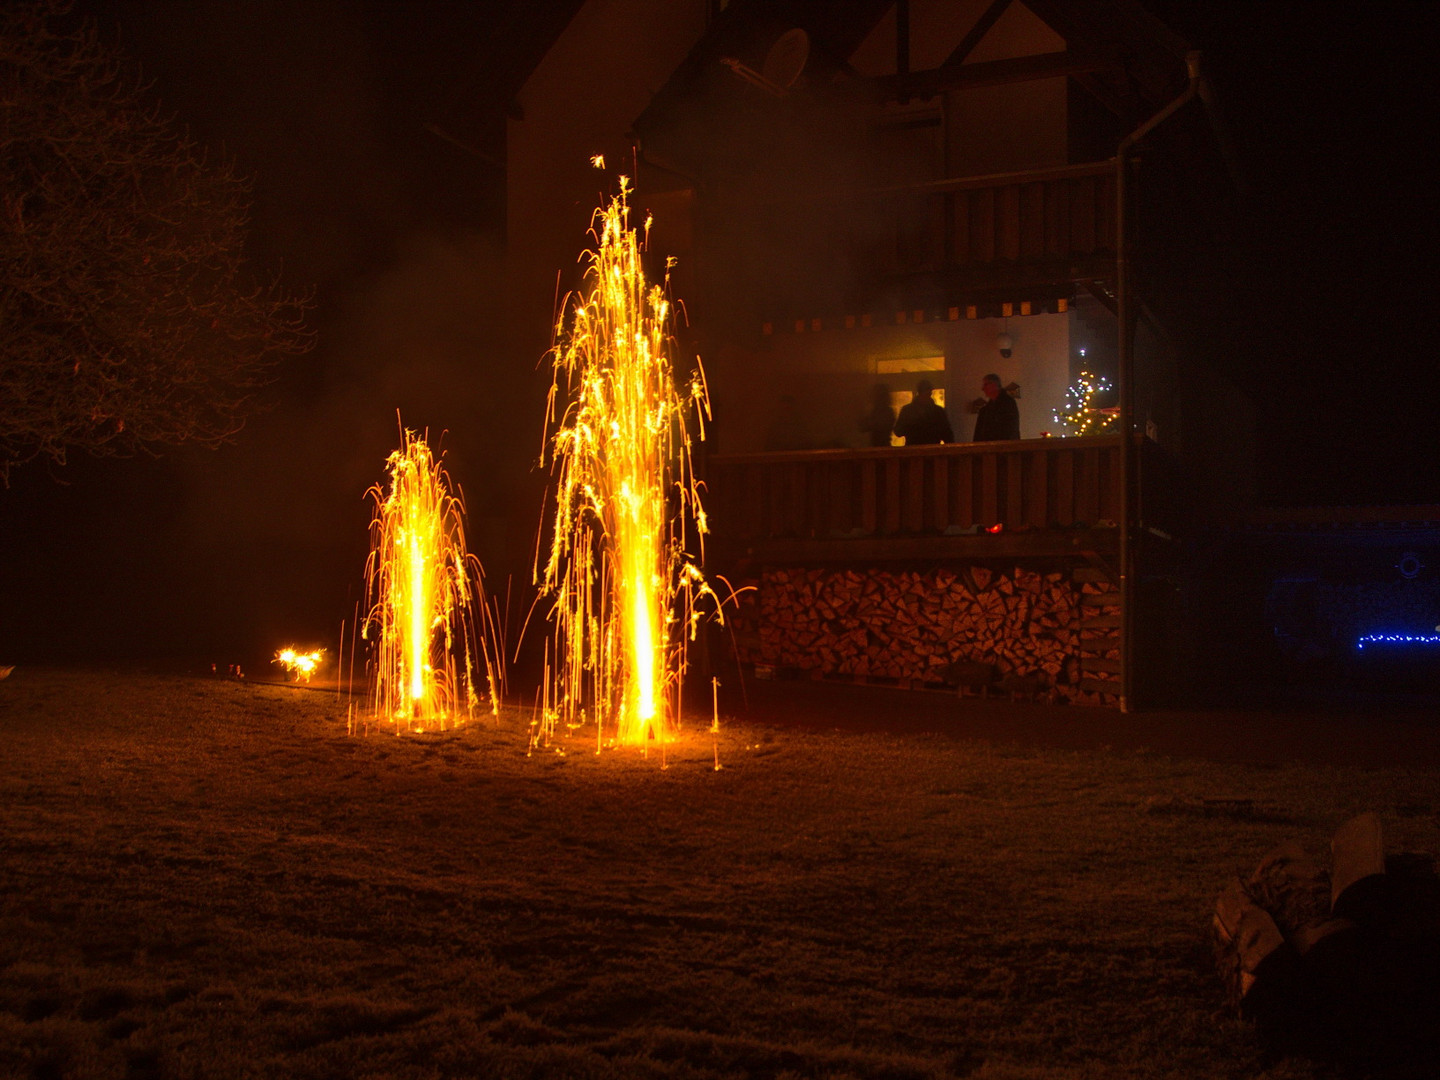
point(858, 196)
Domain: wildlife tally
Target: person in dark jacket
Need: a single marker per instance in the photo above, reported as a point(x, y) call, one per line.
point(879, 422)
point(922, 422)
point(999, 418)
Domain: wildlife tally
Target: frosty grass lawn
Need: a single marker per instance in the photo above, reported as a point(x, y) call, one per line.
point(209, 878)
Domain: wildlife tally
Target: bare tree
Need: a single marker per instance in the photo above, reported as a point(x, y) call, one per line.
point(125, 318)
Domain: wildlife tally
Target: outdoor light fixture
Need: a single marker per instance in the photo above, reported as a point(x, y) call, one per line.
point(1005, 343)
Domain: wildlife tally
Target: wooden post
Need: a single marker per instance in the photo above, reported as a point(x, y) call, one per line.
point(1124, 303)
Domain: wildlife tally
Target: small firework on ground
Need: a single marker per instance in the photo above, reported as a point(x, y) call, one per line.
point(626, 544)
point(299, 665)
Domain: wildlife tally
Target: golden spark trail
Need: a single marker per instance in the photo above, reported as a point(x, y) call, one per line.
point(422, 590)
point(417, 637)
point(621, 571)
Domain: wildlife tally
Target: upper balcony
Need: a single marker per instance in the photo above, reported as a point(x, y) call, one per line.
point(979, 241)
point(1007, 230)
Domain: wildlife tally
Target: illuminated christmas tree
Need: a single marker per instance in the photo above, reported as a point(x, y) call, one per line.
point(1081, 416)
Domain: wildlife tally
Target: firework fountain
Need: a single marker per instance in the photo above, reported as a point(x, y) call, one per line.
point(425, 600)
point(621, 571)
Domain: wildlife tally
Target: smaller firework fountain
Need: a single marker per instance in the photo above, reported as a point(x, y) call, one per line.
point(424, 599)
point(622, 572)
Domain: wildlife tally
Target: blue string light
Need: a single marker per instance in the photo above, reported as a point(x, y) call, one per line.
point(1398, 639)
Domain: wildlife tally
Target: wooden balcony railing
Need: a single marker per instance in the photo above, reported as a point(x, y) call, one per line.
point(913, 492)
point(1050, 218)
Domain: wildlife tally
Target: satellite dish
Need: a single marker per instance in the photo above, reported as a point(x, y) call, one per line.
point(782, 67)
point(786, 58)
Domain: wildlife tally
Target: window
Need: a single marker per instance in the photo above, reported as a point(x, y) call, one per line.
point(914, 367)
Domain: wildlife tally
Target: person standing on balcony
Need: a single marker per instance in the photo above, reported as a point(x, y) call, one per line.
point(999, 417)
point(879, 422)
point(922, 422)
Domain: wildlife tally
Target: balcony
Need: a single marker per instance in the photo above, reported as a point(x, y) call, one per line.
point(1048, 497)
point(1011, 229)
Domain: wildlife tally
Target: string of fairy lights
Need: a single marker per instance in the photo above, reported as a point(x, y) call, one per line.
point(1398, 639)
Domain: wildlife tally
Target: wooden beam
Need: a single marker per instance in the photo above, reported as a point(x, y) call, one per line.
point(1122, 102)
point(1050, 273)
point(1037, 543)
point(982, 26)
point(990, 180)
point(882, 454)
point(902, 37)
point(930, 84)
point(1106, 300)
point(1153, 321)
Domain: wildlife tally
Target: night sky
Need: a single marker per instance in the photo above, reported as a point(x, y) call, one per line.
point(374, 133)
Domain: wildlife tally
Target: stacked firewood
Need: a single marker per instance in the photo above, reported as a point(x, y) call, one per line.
point(1338, 963)
point(1016, 631)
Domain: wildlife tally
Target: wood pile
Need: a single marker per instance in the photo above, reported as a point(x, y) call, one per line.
point(1019, 631)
